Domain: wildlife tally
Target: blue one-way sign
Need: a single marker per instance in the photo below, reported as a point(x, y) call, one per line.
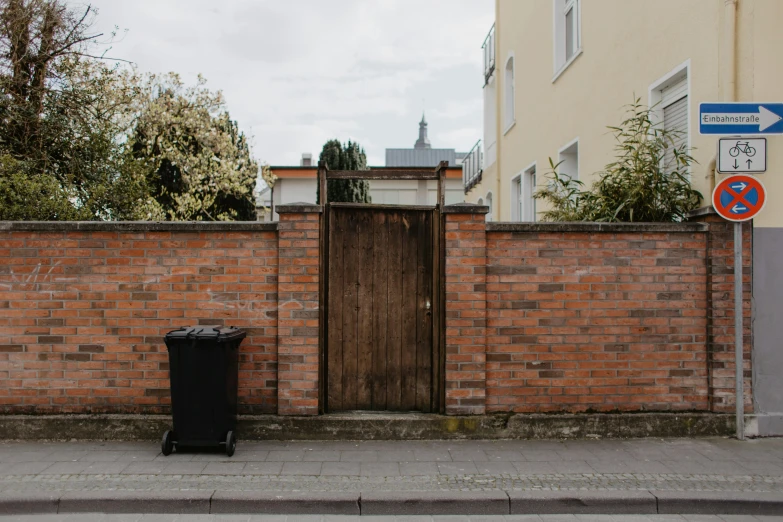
point(735, 119)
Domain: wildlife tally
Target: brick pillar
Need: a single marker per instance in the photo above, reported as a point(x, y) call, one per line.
point(466, 309)
point(297, 297)
point(720, 310)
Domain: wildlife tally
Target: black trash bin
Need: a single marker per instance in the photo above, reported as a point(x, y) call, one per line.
point(203, 368)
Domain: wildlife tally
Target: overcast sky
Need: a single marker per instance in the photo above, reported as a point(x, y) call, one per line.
point(296, 73)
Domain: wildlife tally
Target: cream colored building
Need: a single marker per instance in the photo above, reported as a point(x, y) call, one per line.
point(558, 72)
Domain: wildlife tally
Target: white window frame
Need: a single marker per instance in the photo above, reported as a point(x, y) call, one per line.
point(489, 201)
point(509, 94)
point(516, 196)
point(564, 148)
point(530, 178)
point(655, 96)
point(523, 187)
point(561, 60)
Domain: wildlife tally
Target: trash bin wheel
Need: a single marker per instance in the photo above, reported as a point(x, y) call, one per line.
point(231, 443)
point(167, 444)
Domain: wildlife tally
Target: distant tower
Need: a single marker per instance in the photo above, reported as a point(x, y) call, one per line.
point(423, 142)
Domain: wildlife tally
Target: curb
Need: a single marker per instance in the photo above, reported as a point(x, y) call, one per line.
point(285, 503)
point(395, 502)
point(582, 502)
point(434, 503)
point(719, 503)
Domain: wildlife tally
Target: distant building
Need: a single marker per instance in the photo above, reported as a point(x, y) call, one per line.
point(422, 154)
point(298, 184)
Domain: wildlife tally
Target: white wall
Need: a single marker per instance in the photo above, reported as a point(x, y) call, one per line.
point(287, 191)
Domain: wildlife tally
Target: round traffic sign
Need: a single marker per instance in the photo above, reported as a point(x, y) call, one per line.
point(739, 198)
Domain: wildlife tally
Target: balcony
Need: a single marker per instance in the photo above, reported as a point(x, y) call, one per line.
point(489, 55)
point(472, 167)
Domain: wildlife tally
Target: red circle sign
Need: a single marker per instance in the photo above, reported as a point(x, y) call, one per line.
point(739, 198)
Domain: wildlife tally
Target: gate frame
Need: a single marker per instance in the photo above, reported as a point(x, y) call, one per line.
point(439, 268)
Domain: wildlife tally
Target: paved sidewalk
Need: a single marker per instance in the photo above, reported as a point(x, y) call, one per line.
point(654, 472)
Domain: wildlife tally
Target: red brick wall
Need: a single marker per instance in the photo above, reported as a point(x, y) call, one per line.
point(720, 256)
point(298, 324)
point(582, 320)
point(84, 308)
point(466, 308)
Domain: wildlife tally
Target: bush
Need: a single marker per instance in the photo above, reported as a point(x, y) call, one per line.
point(636, 187)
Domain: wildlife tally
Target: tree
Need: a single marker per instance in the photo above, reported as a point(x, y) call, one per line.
point(200, 165)
point(638, 186)
point(345, 157)
point(62, 117)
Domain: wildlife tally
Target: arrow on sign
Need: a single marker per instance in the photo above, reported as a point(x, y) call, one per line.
point(738, 208)
point(764, 118)
point(736, 164)
point(739, 187)
point(750, 162)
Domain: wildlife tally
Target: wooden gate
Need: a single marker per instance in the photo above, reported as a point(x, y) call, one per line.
point(382, 314)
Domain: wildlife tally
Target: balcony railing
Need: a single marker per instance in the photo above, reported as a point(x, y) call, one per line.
point(472, 167)
point(489, 55)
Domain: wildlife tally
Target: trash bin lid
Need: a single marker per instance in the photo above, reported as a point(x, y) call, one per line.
point(217, 333)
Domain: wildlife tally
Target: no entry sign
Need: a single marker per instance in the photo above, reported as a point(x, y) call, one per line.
point(739, 198)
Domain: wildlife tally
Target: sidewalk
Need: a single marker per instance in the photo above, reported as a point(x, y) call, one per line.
point(397, 478)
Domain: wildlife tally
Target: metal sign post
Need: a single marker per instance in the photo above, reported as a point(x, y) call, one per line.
point(738, 330)
point(739, 198)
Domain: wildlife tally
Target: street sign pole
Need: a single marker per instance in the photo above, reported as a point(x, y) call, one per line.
point(738, 330)
point(739, 198)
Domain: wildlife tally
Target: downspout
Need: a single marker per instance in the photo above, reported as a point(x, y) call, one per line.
point(730, 72)
point(498, 115)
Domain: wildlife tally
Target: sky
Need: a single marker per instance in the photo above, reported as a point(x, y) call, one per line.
point(296, 73)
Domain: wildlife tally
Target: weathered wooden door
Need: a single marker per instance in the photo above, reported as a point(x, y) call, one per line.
point(380, 308)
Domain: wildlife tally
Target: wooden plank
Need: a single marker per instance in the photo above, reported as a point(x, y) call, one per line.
point(424, 315)
point(364, 241)
point(334, 349)
point(394, 316)
point(323, 309)
point(350, 304)
point(441, 177)
point(410, 306)
point(324, 199)
point(437, 321)
point(382, 174)
point(373, 206)
point(380, 285)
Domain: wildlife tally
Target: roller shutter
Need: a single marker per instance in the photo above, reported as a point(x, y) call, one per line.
point(674, 100)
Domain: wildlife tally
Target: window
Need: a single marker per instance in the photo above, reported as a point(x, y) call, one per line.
point(567, 33)
point(569, 160)
point(508, 88)
point(489, 204)
point(670, 108)
point(523, 203)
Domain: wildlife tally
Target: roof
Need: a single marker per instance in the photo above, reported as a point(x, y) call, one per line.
point(287, 172)
point(419, 157)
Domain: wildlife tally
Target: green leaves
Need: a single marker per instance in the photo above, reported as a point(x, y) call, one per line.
point(637, 186)
point(345, 157)
point(201, 165)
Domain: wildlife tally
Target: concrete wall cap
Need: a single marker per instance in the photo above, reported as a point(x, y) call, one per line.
point(137, 226)
point(465, 208)
point(598, 227)
point(299, 208)
point(699, 212)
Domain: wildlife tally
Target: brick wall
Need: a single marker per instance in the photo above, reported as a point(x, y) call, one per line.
point(539, 317)
point(466, 308)
point(298, 324)
point(720, 267)
point(597, 317)
point(84, 308)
